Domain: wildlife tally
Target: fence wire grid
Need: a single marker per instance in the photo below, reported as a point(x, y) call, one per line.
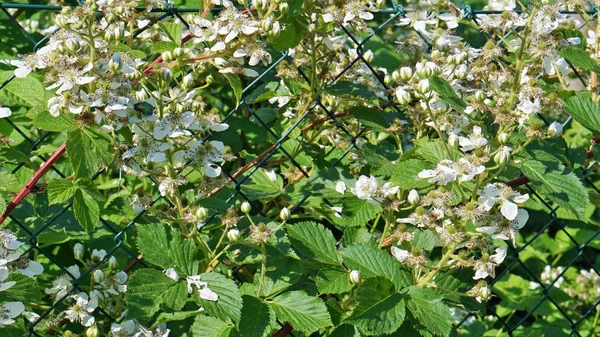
point(508, 322)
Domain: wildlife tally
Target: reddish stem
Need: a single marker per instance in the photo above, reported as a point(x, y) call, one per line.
point(29, 186)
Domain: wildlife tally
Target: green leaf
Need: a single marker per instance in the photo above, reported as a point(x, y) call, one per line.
point(146, 290)
point(153, 243)
point(357, 212)
point(333, 281)
point(370, 118)
point(585, 111)
point(262, 187)
point(435, 316)
point(371, 261)
point(346, 330)
point(162, 46)
point(205, 326)
point(447, 94)
point(184, 254)
point(86, 211)
point(62, 123)
point(236, 85)
point(87, 150)
point(314, 241)
point(176, 296)
point(87, 186)
point(173, 31)
point(351, 90)
point(434, 150)
point(229, 305)
point(580, 58)
point(406, 174)
point(258, 319)
point(165, 317)
point(60, 190)
point(424, 239)
point(282, 273)
point(267, 91)
point(290, 36)
point(380, 309)
point(26, 289)
point(559, 184)
point(10, 183)
point(304, 312)
point(28, 91)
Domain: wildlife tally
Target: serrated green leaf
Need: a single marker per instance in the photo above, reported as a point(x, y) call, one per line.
point(172, 30)
point(313, 241)
point(60, 190)
point(380, 309)
point(184, 254)
point(26, 289)
point(424, 239)
point(86, 211)
point(406, 174)
point(357, 212)
point(446, 93)
point(153, 243)
point(236, 85)
point(10, 183)
point(352, 90)
point(290, 36)
point(87, 150)
point(162, 46)
point(165, 317)
point(346, 330)
point(176, 296)
point(267, 91)
point(333, 281)
point(229, 305)
point(580, 58)
point(356, 235)
point(2, 205)
point(304, 312)
point(206, 326)
point(145, 293)
point(262, 187)
point(87, 186)
point(282, 273)
point(62, 123)
point(585, 111)
point(434, 315)
point(258, 319)
point(559, 184)
point(434, 151)
point(371, 262)
point(28, 91)
point(370, 118)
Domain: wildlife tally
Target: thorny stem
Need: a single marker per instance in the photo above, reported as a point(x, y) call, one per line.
point(214, 261)
point(519, 62)
point(263, 268)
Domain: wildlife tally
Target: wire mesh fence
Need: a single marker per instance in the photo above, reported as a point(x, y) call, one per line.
point(579, 248)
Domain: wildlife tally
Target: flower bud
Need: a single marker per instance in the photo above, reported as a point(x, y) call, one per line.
point(256, 4)
point(395, 76)
point(112, 262)
point(233, 234)
point(72, 45)
point(91, 331)
point(484, 293)
point(119, 33)
point(167, 56)
point(167, 75)
point(503, 155)
point(480, 96)
point(98, 276)
point(178, 52)
point(423, 87)
point(403, 96)
point(355, 276)
point(98, 255)
point(267, 24)
point(246, 207)
point(275, 30)
point(115, 62)
point(172, 274)
point(503, 138)
point(453, 140)
point(555, 129)
point(284, 8)
point(188, 81)
point(387, 79)
point(108, 36)
point(406, 73)
point(78, 251)
point(284, 214)
point(141, 95)
point(201, 213)
point(450, 59)
point(436, 54)
point(413, 197)
point(461, 71)
point(368, 56)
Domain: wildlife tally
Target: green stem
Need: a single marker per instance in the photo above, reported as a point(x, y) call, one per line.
point(263, 268)
point(386, 229)
point(429, 276)
point(437, 129)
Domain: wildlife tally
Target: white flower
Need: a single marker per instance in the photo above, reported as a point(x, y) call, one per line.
point(28, 267)
point(125, 330)
point(413, 197)
point(527, 107)
point(5, 112)
point(62, 284)
point(355, 276)
point(442, 174)
point(365, 188)
point(10, 310)
point(418, 19)
point(555, 129)
point(506, 230)
point(498, 192)
point(340, 187)
point(4, 273)
point(476, 140)
point(487, 265)
point(81, 310)
point(69, 79)
point(271, 175)
point(400, 254)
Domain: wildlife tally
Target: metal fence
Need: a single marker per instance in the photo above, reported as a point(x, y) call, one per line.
point(508, 323)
